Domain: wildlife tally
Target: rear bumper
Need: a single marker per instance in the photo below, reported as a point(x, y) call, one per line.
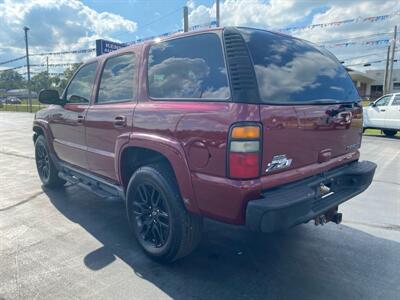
point(291, 204)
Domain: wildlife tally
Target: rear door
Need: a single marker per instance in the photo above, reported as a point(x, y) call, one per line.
point(309, 106)
point(67, 122)
point(392, 119)
point(109, 118)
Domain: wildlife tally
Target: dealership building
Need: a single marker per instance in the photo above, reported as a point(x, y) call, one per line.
point(370, 82)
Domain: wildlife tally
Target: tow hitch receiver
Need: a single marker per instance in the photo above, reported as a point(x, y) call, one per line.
point(329, 216)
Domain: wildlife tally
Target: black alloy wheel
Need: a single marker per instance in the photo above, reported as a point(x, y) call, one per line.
point(151, 214)
point(46, 168)
point(42, 162)
point(162, 226)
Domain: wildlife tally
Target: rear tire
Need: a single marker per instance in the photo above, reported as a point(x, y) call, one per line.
point(47, 171)
point(389, 133)
point(163, 227)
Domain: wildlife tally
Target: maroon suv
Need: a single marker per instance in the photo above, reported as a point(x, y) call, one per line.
point(240, 125)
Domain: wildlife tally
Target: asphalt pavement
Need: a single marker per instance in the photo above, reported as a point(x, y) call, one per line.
point(71, 244)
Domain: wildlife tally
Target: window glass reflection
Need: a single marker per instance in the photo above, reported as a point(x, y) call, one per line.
point(292, 70)
point(189, 67)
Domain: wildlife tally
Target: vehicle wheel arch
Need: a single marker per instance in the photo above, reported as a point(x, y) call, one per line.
point(38, 130)
point(41, 127)
point(132, 157)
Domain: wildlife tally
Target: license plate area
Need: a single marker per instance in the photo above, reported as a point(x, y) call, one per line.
point(325, 189)
point(324, 193)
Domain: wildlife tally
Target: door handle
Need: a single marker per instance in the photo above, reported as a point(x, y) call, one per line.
point(383, 110)
point(120, 121)
point(81, 118)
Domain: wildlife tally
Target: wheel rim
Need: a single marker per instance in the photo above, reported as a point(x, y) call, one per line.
point(151, 215)
point(42, 162)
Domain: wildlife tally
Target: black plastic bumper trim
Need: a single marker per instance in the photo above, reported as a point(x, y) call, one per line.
point(299, 202)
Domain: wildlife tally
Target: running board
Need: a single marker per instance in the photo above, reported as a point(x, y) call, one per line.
point(90, 182)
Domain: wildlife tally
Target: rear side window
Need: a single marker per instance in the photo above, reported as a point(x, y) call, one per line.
point(396, 100)
point(80, 87)
point(118, 82)
point(188, 68)
point(289, 70)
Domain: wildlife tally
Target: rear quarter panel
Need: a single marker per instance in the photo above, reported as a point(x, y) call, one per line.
point(200, 130)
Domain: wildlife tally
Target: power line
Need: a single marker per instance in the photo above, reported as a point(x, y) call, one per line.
point(359, 43)
point(362, 56)
point(54, 65)
point(14, 68)
point(65, 52)
point(311, 26)
point(367, 64)
point(337, 23)
point(12, 60)
point(353, 38)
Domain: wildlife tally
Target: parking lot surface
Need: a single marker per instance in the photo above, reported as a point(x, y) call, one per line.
point(71, 244)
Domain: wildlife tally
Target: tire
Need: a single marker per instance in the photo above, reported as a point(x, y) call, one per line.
point(163, 227)
point(47, 171)
point(389, 133)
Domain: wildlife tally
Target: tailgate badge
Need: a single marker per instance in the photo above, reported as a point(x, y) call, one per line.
point(279, 162)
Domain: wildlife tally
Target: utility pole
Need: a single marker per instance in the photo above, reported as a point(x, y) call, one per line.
point(28, 69)
point(392, 60)
point(185, 19)
point(217, 12)
point(385, 79)
point(47, 72)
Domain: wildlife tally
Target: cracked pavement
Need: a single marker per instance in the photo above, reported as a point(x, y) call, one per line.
point(70, 244)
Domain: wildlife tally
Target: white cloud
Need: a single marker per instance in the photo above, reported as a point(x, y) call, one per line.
point(277, 14)
point(256, 13)
point(55, 25)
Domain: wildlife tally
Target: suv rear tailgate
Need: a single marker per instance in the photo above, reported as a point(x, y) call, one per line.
point(308, 134)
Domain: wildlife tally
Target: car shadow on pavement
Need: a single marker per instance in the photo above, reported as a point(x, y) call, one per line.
point(334, 262)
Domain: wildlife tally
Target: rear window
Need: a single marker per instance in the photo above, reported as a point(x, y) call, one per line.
point(289, 70)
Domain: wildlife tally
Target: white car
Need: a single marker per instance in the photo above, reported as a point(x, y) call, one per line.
point(384, 114)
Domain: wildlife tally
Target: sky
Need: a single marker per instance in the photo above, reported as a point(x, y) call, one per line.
point(61, 25)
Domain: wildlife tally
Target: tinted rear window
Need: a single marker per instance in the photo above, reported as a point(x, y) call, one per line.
point(289, 70)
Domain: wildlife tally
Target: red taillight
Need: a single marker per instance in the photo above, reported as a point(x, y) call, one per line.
point(244, 152)
point(244, 165)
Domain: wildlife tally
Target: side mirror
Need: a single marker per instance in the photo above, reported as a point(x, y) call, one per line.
point(49, 97)
point(372, 104)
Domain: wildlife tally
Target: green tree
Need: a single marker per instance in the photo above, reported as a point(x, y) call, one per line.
point(40, 81)
point(10, 79)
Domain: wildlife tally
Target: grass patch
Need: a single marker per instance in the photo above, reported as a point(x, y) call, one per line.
point(21, 107)
point(377, 132)
point(366, 103)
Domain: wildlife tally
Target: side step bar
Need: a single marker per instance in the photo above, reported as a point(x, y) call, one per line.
point(94, 184)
